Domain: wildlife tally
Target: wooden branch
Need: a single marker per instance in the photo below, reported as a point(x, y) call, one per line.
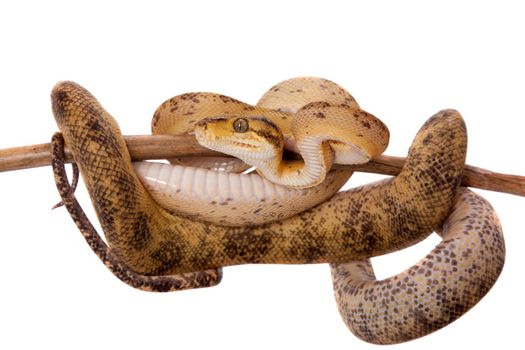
point(142, 147)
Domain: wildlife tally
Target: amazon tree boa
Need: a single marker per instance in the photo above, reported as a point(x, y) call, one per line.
point(154, 248)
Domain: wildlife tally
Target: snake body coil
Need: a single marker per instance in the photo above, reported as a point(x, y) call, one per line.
point(354, 225)
point(215, 190)
point(436, 291)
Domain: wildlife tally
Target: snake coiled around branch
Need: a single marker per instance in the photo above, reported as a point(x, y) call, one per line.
point(149, 241)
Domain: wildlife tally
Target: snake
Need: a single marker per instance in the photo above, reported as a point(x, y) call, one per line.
point(444, 285)
point(213, 190)
point(152, 248)
point(259, 134)
point(346, 135)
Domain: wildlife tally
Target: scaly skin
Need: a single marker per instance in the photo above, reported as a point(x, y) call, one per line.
point(324, 124)
point(228, 200)
point(444, 285)
point(360, 223)
point(147, 242)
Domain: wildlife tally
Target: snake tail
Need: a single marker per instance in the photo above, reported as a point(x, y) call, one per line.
point(360, 223)
point(172, 283)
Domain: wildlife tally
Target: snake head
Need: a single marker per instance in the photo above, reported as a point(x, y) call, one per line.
point(249, 138)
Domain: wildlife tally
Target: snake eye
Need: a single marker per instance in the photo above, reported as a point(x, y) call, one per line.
point(240, 125)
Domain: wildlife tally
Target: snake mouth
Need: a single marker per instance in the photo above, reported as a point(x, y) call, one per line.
point(210, 140)
point(243, 144)
point(246, 149)
point(259, 140)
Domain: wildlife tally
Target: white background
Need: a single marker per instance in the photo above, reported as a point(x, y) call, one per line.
point(402, 60)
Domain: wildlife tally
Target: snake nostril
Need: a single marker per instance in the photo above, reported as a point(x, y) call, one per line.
point(201, 125)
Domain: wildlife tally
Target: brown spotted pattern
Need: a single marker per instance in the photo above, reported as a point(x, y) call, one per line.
point(345, 126)
point(449, 281)
point(189, 280)
point(180, 114)
point(287, 96)
point(360, 223)
point(147, 241)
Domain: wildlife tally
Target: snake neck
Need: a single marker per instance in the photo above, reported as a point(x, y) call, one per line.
point(317, 159)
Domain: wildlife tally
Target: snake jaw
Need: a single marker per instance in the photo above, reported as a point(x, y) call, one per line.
point(260, 142)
